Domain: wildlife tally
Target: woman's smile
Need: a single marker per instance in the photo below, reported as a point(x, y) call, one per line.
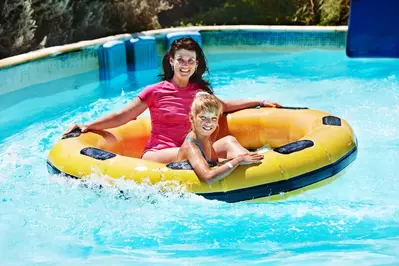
point(184, 63)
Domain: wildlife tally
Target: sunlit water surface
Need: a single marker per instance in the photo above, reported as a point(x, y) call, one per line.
point(51, 220)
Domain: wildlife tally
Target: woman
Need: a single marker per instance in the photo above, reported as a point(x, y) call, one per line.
point(169, 102)
point(198, 147)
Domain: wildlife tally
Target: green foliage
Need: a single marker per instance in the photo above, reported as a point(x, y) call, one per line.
point(246, 12)
point(264, 12)
point(321, 12)
point(30, 24)
point(17, 27)
point(334, 12)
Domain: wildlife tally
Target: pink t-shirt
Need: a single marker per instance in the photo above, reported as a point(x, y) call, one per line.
point(169, 108)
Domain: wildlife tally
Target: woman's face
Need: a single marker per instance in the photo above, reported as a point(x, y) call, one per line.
point(184, 63)
point(205, 123)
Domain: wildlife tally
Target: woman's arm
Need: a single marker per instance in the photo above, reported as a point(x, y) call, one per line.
point(235, 105)
point(130, 112)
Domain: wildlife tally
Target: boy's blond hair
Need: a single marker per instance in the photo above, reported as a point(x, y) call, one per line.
point(205, 102)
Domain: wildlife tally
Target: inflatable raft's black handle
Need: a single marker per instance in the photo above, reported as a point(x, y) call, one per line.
point(294, 146)
point(292, 107)
point(73, 134)
point(332, 121)
point(97, 153)
point(180, 165)
point(283, 107)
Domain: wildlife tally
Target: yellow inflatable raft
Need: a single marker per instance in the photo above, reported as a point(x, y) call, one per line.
point(309, 148)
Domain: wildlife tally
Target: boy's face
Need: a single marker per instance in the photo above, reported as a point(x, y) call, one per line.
point(205, 123)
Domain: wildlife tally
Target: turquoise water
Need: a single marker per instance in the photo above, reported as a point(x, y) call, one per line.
point(50, 220)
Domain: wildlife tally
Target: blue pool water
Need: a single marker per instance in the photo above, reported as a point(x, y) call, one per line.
point(50, 220)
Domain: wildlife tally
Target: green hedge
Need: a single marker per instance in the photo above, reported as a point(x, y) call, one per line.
point(322, 12)
point(27, 25)
point(263, 12)
point(232, 12)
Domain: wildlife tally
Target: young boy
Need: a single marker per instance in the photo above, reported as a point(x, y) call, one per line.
point(198, 149)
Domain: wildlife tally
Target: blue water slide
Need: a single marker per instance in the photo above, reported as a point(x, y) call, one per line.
point(112, 59)
point(373, 29)
point(141, 52)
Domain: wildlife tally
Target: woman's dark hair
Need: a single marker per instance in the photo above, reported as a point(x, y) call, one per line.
point(189, 44)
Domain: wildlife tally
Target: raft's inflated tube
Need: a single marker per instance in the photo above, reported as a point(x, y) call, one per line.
point(309, 149)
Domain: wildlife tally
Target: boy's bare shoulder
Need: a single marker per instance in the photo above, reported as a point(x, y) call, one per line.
point(184, 151)
point(187, 145)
